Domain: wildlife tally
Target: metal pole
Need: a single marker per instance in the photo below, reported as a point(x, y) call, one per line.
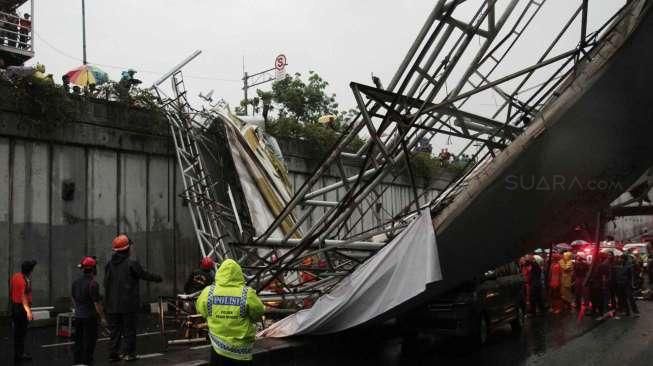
point(583, 27)
point(245, 87)
point(233, 206)
point(176, 68)
point(84, 32)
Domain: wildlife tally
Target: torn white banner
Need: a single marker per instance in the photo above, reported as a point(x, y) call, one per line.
point(398, 272)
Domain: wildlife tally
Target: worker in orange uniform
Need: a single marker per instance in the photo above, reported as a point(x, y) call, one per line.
point(566, 281)
point(21, 307)
point(121, 283)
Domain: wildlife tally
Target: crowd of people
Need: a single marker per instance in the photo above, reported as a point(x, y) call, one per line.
point(230, 307)
point(567, 281)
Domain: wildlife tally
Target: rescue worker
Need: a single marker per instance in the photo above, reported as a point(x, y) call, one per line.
point(86, 298)
point(121, 283)
point(566, 279)
point(231, 310)
point(21, 307)
point(202, 277)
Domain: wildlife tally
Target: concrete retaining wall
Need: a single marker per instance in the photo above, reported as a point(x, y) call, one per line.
point(123, 177)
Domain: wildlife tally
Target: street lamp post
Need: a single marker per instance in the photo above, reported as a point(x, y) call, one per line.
point(84, 32)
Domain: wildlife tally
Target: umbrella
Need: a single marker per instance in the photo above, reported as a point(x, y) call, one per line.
point(614, 251)
point(86, 75)
point(576, 243)
point(563, 246)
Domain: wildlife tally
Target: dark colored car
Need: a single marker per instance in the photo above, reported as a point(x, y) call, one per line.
point(476, 308)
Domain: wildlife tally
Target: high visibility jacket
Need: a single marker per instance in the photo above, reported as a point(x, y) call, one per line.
point(231, 310)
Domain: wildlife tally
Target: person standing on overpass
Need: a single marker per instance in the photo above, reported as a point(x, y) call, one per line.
point(231, 310)
point(121, 282)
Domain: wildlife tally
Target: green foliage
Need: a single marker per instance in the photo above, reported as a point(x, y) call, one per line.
point(303, 101)
point(299, 104)
point(320, 138)
point(37, 97)
point(426, 166)
point(429, 167)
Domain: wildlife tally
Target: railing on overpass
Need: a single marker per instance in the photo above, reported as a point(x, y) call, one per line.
point(16, 32)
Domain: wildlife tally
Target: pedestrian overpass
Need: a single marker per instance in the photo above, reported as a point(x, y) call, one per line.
point(567, 134)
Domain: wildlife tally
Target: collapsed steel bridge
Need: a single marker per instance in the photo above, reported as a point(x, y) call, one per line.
point(459, 60)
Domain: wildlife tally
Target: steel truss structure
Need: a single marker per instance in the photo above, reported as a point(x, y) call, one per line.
point(186, 128)
point(449, 71)
point(451, 65)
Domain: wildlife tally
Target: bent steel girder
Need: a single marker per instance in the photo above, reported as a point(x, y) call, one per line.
point(379, 157)
point(416, 105)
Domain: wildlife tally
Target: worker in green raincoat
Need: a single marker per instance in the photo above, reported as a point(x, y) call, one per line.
point(231, 310)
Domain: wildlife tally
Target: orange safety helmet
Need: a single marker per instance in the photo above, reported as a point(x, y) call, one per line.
point(120, 243)
point(307, 262)
point(207, 263)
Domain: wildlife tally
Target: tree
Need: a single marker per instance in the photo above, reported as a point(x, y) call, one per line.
point(299, 104)
point(303, 101)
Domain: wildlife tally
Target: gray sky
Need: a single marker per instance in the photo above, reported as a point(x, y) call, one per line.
point(342, 40)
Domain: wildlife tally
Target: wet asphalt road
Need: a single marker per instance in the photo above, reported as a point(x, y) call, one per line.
point(548, 340)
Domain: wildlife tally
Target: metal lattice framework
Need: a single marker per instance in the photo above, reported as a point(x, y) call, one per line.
point(186, 128)
point(451, 63)
point(457, 62)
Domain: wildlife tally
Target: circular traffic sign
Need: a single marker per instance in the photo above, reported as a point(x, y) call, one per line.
point(280, 62)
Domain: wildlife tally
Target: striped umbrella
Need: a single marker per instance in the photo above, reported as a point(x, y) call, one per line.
point(87, 74)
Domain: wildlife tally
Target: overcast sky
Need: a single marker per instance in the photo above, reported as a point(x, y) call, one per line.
point(342, 40)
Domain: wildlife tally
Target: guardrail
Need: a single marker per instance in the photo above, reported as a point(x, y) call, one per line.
point(16, 32)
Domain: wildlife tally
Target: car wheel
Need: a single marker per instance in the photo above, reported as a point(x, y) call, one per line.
point(518, 324)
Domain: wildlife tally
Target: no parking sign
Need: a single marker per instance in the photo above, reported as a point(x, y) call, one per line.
point(280, 63)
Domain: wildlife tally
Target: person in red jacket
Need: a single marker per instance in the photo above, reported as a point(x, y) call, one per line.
point(554, 284)
point(25, 29)
point(21, 307)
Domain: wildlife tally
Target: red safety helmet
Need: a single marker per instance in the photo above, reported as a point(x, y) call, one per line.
point(207, 263)
point(120, 243)
point(87, 262)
